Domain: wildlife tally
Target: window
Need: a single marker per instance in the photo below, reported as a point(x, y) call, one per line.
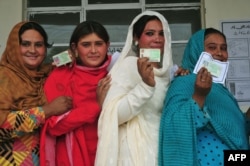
point(112, 1)
point(59, 18)
point(169, 1)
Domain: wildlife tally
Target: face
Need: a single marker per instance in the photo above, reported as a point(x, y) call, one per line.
point(92, 50)
point(33, 49)
point(152, 36)
point(216, 46)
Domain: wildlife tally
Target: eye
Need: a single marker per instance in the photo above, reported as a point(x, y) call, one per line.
point(224, 47)
point(161, 33)
point(149, 33)
point(211, 47)
point(99, 43)
point(87, 44)
point(39, 44)
point(25, 43)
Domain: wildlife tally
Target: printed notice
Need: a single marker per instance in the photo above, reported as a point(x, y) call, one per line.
point(217, 68)
point(237, 33)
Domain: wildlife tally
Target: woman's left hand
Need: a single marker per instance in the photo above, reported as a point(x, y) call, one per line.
point(71, 57)
point(181, 72)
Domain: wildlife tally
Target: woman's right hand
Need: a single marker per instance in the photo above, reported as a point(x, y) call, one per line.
point(248, 113)
point(58, 106)
point(202, 86)
point(145, 69)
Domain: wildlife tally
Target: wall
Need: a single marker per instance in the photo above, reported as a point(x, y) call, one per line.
point(10, 14)
point(216, 11)
point(227, 10)
point(223, 10)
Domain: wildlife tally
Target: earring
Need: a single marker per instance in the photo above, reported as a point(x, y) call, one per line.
point(136, 43)
point(135, 46)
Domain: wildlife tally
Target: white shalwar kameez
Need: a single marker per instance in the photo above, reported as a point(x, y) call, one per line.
point(129, 122)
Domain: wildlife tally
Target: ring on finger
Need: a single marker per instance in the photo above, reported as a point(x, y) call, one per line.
point(99, 84)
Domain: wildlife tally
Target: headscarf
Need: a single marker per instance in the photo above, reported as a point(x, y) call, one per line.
point(138, 130)
point(178, 136)
point(20, 88)
point(127, 50)
point(193, 50)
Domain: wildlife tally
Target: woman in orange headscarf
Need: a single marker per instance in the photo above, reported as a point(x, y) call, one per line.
point(23, 105)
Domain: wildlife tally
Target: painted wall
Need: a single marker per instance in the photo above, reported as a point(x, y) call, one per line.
point(10, 14)
point(224, 10)
point(227, 10)
point(216, 11)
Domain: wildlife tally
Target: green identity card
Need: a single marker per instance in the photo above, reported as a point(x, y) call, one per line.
point(154, 54)
point(62, 58)
point(212, 67)
point(217, 68)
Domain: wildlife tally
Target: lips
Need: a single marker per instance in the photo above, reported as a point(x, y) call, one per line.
point(94, 56)
point(32, 56)
point(157, 46)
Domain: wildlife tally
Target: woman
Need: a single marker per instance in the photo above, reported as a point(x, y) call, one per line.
point(200, 118)
point(129, 122)
point(23, 107)
point(71, 139)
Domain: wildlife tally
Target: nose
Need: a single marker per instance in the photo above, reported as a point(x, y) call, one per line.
point(159, 38)
point(93, 49)
point(32, 48)
point(219, 53)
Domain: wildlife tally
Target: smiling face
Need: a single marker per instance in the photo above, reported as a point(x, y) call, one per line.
point(216, 45)
point(92, 50)
point(152, 36)
point(32, 49)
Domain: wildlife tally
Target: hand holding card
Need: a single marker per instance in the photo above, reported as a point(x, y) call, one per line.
point(217, 68)
point(214, 68)
point(62, 58)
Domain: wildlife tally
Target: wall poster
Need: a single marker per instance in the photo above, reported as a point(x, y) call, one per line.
point(238, 40)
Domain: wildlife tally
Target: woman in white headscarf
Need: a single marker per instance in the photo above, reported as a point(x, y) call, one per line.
point(129, 122)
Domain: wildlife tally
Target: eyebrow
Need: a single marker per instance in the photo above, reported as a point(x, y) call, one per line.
point(217, 43)
point(92, 41)
point(40, 41)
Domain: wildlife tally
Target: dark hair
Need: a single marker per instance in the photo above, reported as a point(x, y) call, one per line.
point(141, 23)
point(87, 27)
point(209, 31)
point(33, 25)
